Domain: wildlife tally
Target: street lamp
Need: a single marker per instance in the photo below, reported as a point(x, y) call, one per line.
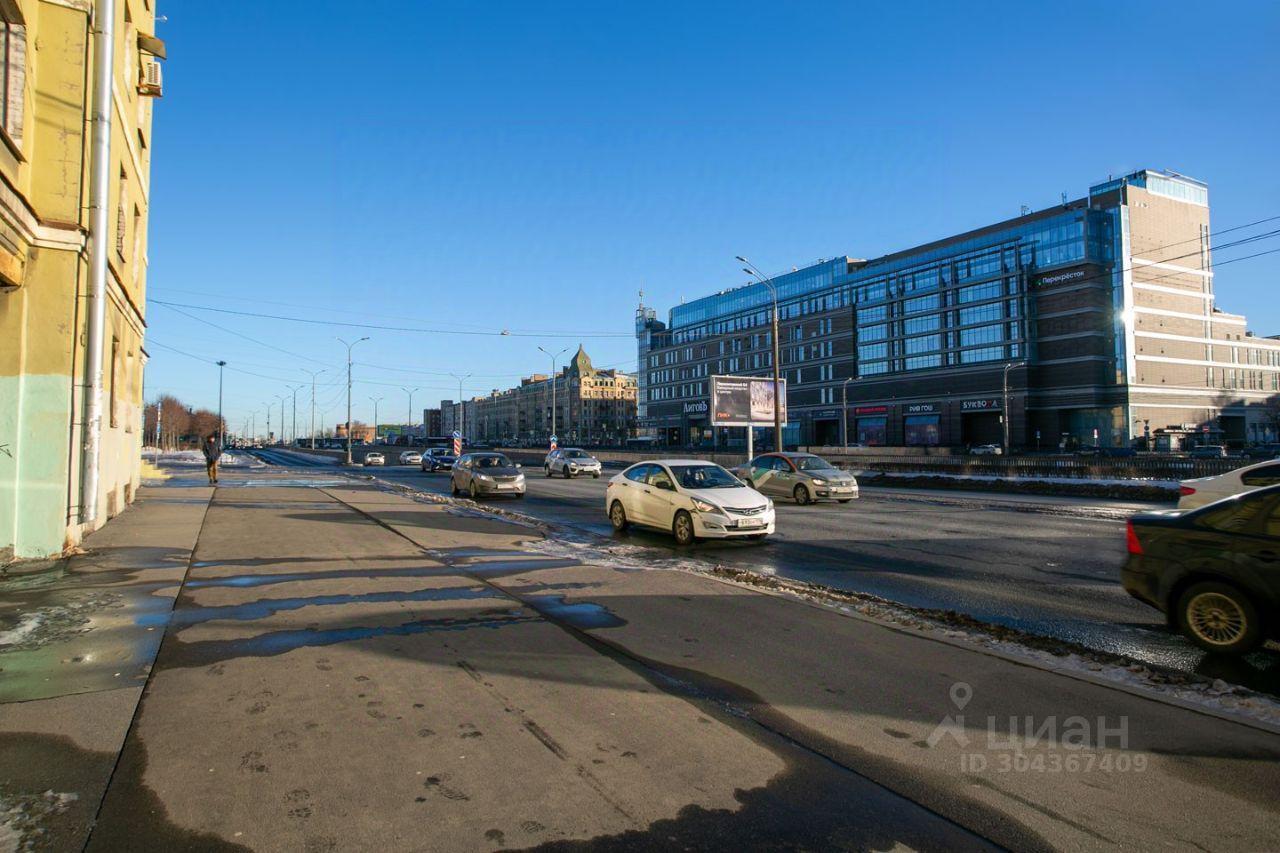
point(410, 392)
point(221, 437)
point(284, 433)
point(349, 347)
point(268, 439)
point(461, 408)
point(294, 427)
point(751, 270)
point(314, 374)
point(1005, 411)
point(376, 401)
point(553, 384)
point(844, 410)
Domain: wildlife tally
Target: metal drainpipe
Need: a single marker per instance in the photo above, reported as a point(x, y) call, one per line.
point(104, 21)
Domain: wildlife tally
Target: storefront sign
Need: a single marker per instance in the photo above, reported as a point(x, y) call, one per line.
point(920, 408)
point(698, 408)
point(1061, 278)
point(825, 414)
point(980, 405)
point(871, 410)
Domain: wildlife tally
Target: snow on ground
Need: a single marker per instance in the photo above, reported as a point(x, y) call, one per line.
point(230, 458)
point(994, 478)
point(22, 815)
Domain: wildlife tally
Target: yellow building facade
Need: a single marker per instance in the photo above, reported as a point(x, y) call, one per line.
point(47, 245)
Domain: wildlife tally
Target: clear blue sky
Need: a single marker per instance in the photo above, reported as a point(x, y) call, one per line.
point(531, 166)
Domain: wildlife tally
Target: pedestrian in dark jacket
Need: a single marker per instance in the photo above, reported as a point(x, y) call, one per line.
point(212, 452)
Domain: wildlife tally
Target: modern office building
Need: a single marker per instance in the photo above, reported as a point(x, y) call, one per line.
point(1091, 322)
point(592, 406)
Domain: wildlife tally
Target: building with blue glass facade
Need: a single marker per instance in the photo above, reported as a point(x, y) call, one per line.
point(1092, 322)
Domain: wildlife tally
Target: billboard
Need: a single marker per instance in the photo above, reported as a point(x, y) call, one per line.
point(744, 400)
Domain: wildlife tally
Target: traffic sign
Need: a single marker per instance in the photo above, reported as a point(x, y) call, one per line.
point(457, 443)
point(554, 440)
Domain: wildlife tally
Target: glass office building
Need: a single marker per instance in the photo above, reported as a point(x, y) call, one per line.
point(1037, 330)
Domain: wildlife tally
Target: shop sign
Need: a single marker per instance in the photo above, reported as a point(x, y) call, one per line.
point(871, 410)
point(980, 405)
point(697, 408)
point(1061, 278)
point(920, 409)
point(825, 413)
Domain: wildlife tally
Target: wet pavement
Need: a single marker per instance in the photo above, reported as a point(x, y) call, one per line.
point(1043, 565)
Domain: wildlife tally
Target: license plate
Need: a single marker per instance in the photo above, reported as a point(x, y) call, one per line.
point(751, 522)
point(843, 489)
point(505, 487)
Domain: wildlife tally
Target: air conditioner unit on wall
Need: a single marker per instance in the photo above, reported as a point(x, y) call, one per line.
point(149, 80)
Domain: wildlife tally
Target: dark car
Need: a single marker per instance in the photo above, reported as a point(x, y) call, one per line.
point(1262, 451)
point(1214, 571)
point(438, 459)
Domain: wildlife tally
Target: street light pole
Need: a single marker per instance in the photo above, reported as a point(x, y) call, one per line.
point(410, 392)
point(314, 374)
point(376, 401)
point(349, 347)
point(294, 427)
point(284, 429)
point(268, 439)
point(844, 411)
point(461, 408)
point(221, 431)
point(553, 384)
point(1004, 413)
point(778, 402)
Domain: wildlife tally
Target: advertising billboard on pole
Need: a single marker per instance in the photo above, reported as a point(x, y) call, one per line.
point(744, 400)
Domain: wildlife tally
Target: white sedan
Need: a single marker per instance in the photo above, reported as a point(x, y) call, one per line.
point(691, 498)
point(410, 457)
point(374, 458)
point(1206, 490)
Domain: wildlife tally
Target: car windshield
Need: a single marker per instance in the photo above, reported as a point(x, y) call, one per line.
point(813, 463)
point(575, 454)
point(704, 477)
point(492, 462)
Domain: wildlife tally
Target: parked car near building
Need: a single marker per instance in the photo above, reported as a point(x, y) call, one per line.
point(1208, 451)
point(1262, 451)
point(691, 498)
point(986, 450)
point(569, 462)
point(803, 477)
point(1214, 571)
point(1205, 490)
point(485, 474)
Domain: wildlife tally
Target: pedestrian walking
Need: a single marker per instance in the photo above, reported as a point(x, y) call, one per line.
point(212, 452)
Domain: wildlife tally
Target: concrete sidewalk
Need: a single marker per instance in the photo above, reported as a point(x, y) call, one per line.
point(346, 668)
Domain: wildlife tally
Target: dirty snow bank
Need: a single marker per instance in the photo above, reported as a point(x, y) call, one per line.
point(230, 458)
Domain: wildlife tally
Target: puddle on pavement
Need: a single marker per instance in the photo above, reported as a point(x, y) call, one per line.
point(286, 482)
point(580, 614)
point(246, 581)
point(206, 652)
point(266, 607)
point(514, 567)
point(79, 632)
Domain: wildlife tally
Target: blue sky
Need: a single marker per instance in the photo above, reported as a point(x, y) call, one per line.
point(532, 166)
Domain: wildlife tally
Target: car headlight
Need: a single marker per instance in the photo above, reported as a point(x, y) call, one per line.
point(484, 477)
point(703, 506)
point(818, 482)
point(768, 506)
point(519, 478)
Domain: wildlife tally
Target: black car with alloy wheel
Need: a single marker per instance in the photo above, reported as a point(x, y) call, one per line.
point(1214, 570)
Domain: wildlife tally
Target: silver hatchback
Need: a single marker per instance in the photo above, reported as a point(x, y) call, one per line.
point(803, 477)
point(485, 474)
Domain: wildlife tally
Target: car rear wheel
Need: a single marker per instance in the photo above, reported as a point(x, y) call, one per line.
point(618, 517)
point(453, 487)
point(802, 495)
point(548, 470)
point(683, 529)
point(1220, 618)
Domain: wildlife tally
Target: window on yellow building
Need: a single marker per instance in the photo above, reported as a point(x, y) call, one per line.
point(120, 213)
point(113, 376)
point(13, 87)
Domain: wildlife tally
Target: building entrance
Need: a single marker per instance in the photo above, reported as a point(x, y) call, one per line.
point(981, 428)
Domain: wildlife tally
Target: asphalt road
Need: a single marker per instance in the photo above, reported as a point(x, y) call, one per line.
point(1046, 565)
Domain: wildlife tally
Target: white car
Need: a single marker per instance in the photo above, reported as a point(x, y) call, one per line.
point(692, 498)
point(570, 462)
point(1206, 490)
point(375, 458)
point(410, 457)
point(987, 450)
